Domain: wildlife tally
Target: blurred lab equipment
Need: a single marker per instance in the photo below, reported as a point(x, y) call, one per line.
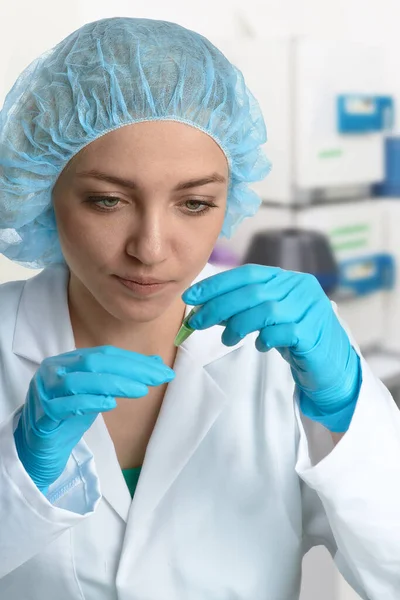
point(389, 190)
point(296, 250)
point(327, 112)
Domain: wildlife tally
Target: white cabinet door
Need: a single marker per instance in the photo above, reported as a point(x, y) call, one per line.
point(324, 157)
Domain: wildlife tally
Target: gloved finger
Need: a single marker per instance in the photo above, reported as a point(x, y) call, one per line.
point(138, 367)
point(278, 336)
point(306, 324)
point(102, 384)
point(255, 319)
point(47, 424)
point(230, 338)
point(227, 281)
point(247, 322)
point(222, 308)
point(59, 409)
point(94, 359)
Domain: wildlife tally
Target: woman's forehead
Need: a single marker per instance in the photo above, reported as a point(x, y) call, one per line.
point(171, 147)
point(155, 136)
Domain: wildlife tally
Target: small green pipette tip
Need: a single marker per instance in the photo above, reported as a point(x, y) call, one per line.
point(185, 331)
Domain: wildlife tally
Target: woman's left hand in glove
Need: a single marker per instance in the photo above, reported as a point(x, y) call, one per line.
point(292, 313)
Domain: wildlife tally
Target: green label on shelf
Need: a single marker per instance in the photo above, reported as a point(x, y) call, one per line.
point(349, 229)
point(350, 245)
point(331, 153)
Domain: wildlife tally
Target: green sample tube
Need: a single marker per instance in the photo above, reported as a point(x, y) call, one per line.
point(185, 331)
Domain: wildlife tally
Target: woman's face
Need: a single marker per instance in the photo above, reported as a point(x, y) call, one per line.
point(143, 203)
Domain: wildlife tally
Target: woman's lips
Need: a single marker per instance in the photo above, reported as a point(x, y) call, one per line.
point(144, 287)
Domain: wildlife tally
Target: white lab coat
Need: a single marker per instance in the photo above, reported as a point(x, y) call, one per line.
point(236, 486)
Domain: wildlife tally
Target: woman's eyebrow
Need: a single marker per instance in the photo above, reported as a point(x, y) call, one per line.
point(191, 183)
point(128, 183)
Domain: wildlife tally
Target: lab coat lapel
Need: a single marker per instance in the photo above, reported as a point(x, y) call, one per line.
point(191, 405)
point(43, 327)
point(112, 483)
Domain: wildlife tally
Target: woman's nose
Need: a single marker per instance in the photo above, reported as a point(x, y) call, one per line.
point(149, 242)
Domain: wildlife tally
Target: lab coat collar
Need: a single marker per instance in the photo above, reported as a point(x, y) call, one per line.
point(43, 327)
point(192, 402)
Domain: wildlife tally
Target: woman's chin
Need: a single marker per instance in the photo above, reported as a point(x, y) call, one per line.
point(138, 311)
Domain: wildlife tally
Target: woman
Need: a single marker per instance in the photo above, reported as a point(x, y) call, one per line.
point(125, 152)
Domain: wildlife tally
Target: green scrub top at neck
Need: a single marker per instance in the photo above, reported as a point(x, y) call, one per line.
point(131, 478)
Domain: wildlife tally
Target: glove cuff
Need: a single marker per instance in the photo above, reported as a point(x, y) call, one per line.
point(338, 414)
point(24, 454)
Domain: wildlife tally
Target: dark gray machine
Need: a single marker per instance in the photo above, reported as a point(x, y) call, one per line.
point(293, 249)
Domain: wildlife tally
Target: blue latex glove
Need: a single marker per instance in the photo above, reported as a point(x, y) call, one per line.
point(65, 396)
point(292, 314)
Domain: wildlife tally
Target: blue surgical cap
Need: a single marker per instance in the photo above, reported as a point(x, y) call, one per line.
point(105, 75)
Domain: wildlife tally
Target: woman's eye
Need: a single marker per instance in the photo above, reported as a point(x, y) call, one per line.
point(104, 203)
point(198, 206)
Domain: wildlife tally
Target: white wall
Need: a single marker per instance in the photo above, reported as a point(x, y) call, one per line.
point(30, 28)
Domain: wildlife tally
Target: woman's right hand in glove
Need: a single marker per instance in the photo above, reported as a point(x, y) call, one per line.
point(65, 396)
